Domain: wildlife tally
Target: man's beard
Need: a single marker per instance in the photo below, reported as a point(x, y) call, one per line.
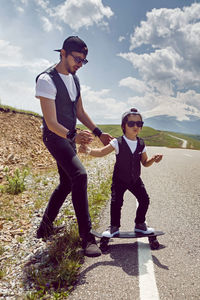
point(69, 70)
point(73, 73)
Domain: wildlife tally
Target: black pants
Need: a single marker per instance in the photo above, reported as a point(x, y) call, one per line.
point(73, 178)
point(118, 189)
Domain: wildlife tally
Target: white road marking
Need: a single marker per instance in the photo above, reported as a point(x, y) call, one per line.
point(147, 281)
point(187, 155)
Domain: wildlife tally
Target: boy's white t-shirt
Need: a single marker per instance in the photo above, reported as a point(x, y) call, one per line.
point(45, 86)
point(132, 145)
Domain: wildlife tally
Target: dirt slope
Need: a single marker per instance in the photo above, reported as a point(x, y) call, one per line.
point(21, 142)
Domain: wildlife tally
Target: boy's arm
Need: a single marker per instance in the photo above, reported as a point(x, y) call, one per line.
point(98, 152)
point(148, 162)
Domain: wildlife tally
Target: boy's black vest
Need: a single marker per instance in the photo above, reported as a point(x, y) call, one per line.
point(65, 108)
point(128, 167)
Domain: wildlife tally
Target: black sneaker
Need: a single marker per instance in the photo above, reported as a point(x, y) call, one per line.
point(111, 231)
point(46, 230)
point(142, 228)
point(90, 246)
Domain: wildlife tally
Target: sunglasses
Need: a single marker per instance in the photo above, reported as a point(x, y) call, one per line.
point(79, 60)
point(133, 123)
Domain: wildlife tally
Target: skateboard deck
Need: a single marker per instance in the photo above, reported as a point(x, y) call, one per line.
point(128, 234)
point(152, 237)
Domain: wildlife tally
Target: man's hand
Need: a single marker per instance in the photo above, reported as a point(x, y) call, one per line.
point(84, 137)
point(105, 138)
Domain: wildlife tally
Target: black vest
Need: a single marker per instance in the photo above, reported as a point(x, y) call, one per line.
point(128, 167)
point(65, 108)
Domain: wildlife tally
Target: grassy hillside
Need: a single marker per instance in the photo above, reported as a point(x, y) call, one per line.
point(155, 137)
point(193, 140)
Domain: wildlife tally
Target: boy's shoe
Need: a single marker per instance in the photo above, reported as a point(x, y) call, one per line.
point(90, 246)
point(111, 231)
point(46, 230)
point(142, 228)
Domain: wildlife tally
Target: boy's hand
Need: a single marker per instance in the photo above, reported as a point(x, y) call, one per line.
point(158, 158)
point(84, 149)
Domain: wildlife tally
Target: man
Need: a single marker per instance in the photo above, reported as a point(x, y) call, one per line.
point(58, 89)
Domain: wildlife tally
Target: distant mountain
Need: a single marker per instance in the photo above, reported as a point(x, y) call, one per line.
point(168, 123)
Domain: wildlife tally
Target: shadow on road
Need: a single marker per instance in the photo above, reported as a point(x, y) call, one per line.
point(159, 264)
point(124, 256)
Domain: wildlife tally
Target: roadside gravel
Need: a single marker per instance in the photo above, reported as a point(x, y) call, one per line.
point(20, 245)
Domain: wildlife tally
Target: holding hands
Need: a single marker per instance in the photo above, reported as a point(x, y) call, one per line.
point(84, 137)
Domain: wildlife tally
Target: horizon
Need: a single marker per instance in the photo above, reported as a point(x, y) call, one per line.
point(14, 109)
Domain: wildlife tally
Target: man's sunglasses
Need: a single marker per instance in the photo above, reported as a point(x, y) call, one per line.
point(133, 123)
point(79, 60)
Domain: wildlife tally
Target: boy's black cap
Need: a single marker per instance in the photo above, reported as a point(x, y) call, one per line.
point(74, 43)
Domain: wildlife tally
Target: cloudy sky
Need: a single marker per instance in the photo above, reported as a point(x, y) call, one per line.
point(142, 53)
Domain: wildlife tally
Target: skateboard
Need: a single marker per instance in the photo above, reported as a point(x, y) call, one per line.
point(152, 237)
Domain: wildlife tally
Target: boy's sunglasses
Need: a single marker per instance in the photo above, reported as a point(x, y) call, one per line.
point(133, 123)
point(79, 60)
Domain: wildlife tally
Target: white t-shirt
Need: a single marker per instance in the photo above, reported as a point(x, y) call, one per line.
point(132, 145)
point(45, 86)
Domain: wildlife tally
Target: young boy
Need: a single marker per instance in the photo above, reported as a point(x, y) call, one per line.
point(130, 153)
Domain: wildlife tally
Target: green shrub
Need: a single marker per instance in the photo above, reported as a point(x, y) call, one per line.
point(16, 182)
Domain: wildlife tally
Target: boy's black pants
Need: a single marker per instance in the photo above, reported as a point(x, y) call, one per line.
point(73, 178)
point(118, 189)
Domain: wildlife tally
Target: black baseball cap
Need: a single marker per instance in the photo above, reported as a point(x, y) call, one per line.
point(74, 43)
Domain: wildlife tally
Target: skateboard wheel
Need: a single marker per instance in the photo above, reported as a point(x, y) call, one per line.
point(154, 245)
point(153, 242)
point(104, 244)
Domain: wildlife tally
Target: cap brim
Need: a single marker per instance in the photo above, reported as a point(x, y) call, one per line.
point(57, 50)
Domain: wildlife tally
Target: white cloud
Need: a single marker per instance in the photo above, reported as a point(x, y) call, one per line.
point(20, 9)
point(171, 64)
point(47, 25)
point(134, 84)
point(164, 25)
point(175, 34)
point(78, 13)
point(20, 95)
point(37, 65)
point(158, 68)
point(121, 38)
point(102, 108)
point(190, 98)
point(144, 103)
point(182, 106)
point(20, 5)
point(42, 3)
point(11, 56)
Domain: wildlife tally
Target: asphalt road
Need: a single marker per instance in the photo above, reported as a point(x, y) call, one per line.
point(174, 189)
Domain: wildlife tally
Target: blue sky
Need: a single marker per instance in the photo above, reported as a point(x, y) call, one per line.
point(142, 53)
